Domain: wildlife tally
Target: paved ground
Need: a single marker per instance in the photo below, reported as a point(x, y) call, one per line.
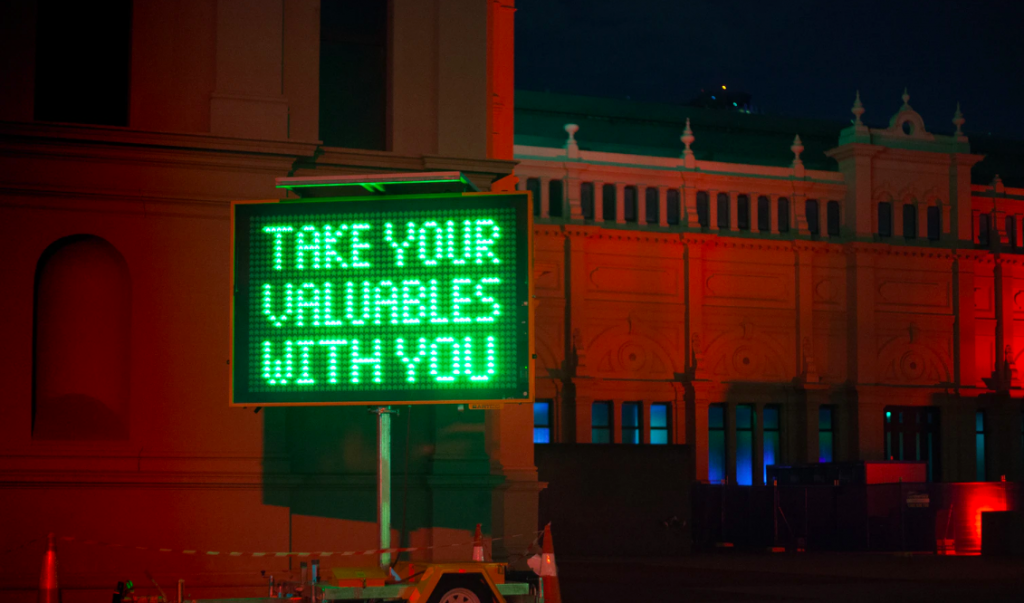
point(853, 577)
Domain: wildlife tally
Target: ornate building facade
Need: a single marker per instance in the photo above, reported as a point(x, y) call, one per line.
point(126, 129)
point(772, 290)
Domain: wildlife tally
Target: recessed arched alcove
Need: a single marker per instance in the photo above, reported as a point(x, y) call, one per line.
point(82, 342)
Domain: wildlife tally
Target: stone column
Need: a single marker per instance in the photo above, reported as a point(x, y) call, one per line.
point(734, 216)
point(598, 201)
point(773, 210)
point(573, 197)
point(620, 203)
point(713, 210)
point(688, 203)
point(545, 197)
point(663, 206)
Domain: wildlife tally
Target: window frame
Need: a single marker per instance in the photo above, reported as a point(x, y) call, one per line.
point(811, 208)
point(743, 212)
point(607, 428)
point(782, 209)
point(833, 218)
point(587, 200)
point(636, 431)
point(884, 219)
point(556, 201)
point(667, 428)
point(909, 225)
point(703, 203)
point(724, 220)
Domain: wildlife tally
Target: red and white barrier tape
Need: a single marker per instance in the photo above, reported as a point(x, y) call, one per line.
point(250, 554)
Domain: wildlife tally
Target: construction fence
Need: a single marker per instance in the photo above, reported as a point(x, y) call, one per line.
point(935, 517)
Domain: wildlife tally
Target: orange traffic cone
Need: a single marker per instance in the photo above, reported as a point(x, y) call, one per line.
point(478, 545)
point(49, 592)
point(548, 569)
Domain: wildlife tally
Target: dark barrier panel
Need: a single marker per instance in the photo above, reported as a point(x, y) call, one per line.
point(615, 500)
point(882, 517)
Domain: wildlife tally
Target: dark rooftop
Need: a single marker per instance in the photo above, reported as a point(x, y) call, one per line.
point(642, 128)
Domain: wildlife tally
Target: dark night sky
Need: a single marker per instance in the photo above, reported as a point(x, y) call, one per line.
point(796, 57)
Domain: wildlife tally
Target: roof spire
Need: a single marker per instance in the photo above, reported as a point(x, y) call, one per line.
point(688, 138)
point(857, 110)
point(797, 148)
point(958, 120)
point(906, 99)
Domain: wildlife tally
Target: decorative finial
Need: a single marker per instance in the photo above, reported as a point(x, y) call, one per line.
point(797, 148)
point(906, 99)
point(687, 136)
point(571, 129)
point(958, 120)
point(857, 110)
point(572, 150)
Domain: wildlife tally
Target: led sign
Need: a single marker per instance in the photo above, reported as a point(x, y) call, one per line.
point(404, 300)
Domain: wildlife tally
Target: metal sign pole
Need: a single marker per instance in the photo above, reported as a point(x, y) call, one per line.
point(383, 483)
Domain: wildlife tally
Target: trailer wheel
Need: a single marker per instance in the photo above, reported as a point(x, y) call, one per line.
point(460, 595)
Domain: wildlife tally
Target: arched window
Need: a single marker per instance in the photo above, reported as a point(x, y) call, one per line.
point(672, 208)
point(83, 298)
point(608, 195)
point(909, 221)
point(703, 217)
point(783, 214)
point(743, 212)
point(813, 219)
point(651, 201)
point(629, 204)
point(533, 185)
point(832, 209)
point(587, 200)
point(723, 211)
point(934, 223)
point(764, 214)
point(983, 228)
point(555, 198)
point(885, 219)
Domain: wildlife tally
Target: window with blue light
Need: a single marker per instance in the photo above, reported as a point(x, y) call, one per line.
point(772, 438)
point(660, 421)
point(746, 418)
point(601, 422)
point(631, 423)
point(912, 434)
point(542, 422)
point(826, 434)
point(979, 446)
point(716, 444)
